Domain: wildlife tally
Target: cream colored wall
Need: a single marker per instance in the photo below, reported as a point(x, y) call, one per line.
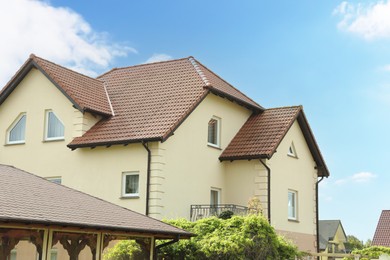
point(190, 167)
point(298, 174)
point(95, 171)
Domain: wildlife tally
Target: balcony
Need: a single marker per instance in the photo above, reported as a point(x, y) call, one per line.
point(205, 211)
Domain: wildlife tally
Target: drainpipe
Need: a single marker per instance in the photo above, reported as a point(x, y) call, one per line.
point(176, 239)
point(317, 215)
point(147, 178)
point(268, 190)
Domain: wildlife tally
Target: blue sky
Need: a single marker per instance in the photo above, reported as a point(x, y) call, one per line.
point(332, 57)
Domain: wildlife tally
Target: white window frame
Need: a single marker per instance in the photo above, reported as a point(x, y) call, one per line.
point(129, 195)
point(12, 126)
point(47, 127)
point(217, 132)
point(292, 153)
point(292, 214)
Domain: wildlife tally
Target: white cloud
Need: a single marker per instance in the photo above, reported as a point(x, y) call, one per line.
point(55, 33)
point(158, 57)
point(361, 177)
point(370, 21)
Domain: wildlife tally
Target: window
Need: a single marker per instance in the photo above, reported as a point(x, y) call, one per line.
point(214, 132)
point(130, 184)
point(54, 179)
point(214, 197)
point(292, 205)
point(17, 130)
point(291, 151)
point(54, 127)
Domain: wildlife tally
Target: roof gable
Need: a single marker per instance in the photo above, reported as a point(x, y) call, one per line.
point(85, 93)
point(76, 209)
point(328, 230)
point(152, 100)
point(261, 135)
point(382, 232)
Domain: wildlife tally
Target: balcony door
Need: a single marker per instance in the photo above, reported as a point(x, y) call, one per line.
point(215, 197)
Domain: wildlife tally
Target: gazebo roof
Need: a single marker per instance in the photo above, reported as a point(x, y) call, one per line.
point(29, 199)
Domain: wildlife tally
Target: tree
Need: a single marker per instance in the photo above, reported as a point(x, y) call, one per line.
point(353, 243)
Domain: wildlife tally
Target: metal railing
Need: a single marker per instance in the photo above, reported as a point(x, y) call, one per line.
point(205, 211)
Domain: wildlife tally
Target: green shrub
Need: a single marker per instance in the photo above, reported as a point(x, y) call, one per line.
point(371, 252)
point(249, 237)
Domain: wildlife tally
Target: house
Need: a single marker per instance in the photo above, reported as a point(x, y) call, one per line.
point(168, 139)
point(43, 220)
point(332, 237)
point(382, 232)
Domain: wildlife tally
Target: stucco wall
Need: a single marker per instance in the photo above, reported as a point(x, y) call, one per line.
point(95, 171)
point(191, 166)
point(297, 174)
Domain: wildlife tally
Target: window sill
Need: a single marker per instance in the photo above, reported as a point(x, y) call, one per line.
point(129, 197)
point(53, 140)
point(214, 146)
point(17, 143)
point(293, 220)
point(292, 156)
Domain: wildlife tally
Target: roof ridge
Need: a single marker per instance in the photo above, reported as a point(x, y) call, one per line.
point(39, 59)
point(282, 107)
point(198, 70)
point(215, 74)
point(140, 65)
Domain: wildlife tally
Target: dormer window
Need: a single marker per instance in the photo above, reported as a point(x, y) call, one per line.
point(16, 132)
point(54, 127)
point(291, 151)
point(214, 132)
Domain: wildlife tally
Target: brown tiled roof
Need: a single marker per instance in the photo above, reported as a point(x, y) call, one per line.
point(26, 198)
point(151, 100)
point(87, 94)
point(382, 232)
point(262, 133)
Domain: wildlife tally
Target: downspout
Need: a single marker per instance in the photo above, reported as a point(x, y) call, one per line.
point(268, 190)
point(176, 239)
point(147, 178)
point(317, 215)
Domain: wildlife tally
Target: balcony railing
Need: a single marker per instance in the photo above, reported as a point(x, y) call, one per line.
point(204, 211)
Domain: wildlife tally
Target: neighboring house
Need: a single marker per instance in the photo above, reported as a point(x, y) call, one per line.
point(382, 232)
point(168, 139)
point(42, 220)
point(332, 237)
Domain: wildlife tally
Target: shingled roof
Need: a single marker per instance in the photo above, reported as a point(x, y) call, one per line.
point(328, 229)
point(151, 100)
point(86, 94)
point(27, 198)
point(262, 133)
point(382, 232)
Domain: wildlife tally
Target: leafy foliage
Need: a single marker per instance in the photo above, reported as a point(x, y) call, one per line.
point(124, 250)
point(371, 252)
point(249, 237)
point(353, 243)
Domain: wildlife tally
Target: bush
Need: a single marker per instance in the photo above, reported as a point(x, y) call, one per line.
point(249, 237)
point(371, 252)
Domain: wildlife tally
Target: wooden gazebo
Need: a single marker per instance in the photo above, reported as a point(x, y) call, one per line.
point(44, 220)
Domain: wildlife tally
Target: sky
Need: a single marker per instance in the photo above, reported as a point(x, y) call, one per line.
point(332, 57)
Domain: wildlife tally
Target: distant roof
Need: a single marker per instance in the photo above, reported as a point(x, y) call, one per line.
point(382, 232)
point(261, 135)
point(328, 229)
point(27, 198)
